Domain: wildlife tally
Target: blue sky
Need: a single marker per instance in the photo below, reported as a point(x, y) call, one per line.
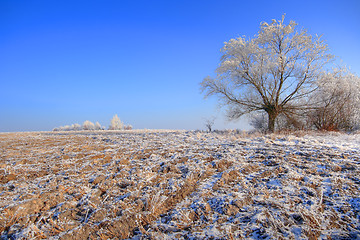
point(64, 62)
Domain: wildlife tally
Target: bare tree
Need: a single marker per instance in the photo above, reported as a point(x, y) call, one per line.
point(274, 72)
point(209, 123)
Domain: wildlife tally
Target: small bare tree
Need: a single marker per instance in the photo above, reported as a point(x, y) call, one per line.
point(274, 72)
point(209, 123)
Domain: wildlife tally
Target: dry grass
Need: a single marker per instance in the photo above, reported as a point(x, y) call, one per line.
point(163, 184)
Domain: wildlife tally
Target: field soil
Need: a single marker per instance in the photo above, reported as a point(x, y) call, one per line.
point(179, 184)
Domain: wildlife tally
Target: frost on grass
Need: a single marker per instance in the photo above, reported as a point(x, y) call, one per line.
point(178, 184)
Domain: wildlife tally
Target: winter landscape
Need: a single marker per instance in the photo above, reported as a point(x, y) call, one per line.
point(282, 76)
point(162, 184)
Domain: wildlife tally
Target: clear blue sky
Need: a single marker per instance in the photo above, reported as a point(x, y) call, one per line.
point(67, 61)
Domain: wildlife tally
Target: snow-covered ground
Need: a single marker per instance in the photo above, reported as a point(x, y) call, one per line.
point(179, 184)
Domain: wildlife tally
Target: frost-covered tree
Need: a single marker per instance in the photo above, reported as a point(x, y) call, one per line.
point(98, 126)
point(115, 123)
point(274, 72)
point(338, 101)
point(76, 127)
point(128, 127)
point(66, 128)
point(87, 125)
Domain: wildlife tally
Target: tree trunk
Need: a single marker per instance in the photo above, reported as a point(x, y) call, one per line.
point(271, 123)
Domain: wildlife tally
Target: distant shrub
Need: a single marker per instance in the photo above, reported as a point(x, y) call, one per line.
point(98, 126)
point(76, 127)
point(116, 124)
point(128, 127)
point(87, 125)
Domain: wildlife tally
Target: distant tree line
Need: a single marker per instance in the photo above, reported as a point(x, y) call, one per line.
point(115, 124)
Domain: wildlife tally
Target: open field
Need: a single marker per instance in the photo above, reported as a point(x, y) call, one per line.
point(179, 184)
